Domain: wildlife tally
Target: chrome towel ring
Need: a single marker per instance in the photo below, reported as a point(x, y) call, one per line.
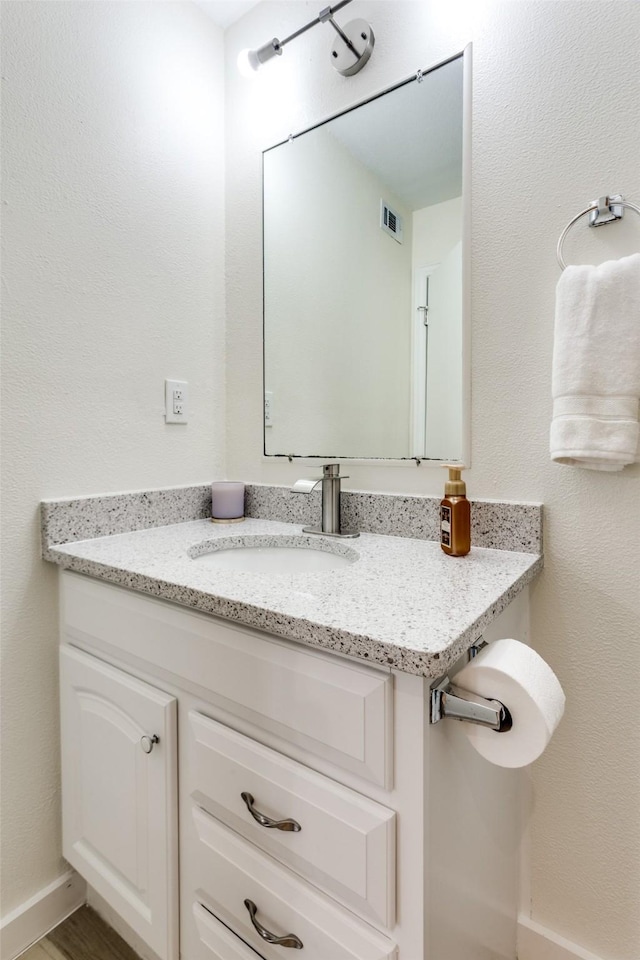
point(601, 211)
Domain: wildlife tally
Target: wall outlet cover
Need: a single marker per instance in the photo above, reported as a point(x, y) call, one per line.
point(175, 401)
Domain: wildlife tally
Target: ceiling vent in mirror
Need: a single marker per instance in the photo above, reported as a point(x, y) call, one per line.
point(390, 221)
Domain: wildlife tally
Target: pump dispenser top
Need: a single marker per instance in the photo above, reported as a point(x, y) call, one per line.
point(455, 485)
point(455, 514)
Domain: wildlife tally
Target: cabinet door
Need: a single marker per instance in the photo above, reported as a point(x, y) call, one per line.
point(119, 793)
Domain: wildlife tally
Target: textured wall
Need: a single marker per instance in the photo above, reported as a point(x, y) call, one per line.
point(556, 123)
point(113, 280)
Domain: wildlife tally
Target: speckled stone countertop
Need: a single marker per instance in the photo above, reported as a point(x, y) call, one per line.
point(403, 602)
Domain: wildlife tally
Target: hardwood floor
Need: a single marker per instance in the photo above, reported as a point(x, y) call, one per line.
point(82, 936)
point(43, 950)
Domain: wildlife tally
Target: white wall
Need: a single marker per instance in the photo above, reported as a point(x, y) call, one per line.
point(556, 124)
point(113, 252)
point(436, 231)
point(322, 223)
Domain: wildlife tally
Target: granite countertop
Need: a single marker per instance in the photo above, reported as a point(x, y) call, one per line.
point(403, 603)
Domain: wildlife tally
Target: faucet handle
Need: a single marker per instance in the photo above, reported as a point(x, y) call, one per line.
point(305, 486)
point(330, 471)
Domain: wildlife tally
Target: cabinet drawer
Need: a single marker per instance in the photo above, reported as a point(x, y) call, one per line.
point(226, 871)
point(346, 844)
point(217, 942)
point(333, 709)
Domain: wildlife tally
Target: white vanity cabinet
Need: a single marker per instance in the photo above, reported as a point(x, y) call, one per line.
point(317, 805)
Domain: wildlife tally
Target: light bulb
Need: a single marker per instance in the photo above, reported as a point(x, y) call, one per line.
point(248, 63)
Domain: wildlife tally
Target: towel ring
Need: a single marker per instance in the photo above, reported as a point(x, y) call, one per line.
point(602, 211)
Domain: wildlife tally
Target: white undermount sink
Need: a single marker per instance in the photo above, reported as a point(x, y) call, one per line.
point(273, 554)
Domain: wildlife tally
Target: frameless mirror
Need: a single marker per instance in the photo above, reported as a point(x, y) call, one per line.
point(365, 343)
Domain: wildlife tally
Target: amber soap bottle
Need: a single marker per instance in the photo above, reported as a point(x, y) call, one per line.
point(455, 515)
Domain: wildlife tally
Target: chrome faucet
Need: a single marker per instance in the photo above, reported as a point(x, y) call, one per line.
point(330, 481)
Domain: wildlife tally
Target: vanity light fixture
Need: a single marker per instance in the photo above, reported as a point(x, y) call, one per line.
point(351, 49)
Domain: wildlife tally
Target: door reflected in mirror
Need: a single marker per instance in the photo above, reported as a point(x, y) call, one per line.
point(364, 321)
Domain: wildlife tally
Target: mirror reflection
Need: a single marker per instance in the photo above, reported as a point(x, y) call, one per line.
point(363, 331)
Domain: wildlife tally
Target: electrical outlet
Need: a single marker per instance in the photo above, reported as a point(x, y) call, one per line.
point(175, 401)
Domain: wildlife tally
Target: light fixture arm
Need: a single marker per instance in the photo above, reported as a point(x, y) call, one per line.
point(356, 29)
point(324, 15)
point(329, 19)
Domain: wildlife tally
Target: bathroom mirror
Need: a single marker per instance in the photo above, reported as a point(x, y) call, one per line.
point(365, 260)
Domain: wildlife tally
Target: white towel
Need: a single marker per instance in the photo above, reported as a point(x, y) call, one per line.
point(596, 365)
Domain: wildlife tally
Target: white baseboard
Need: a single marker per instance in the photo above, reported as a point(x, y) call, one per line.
point(536, 942)
point(35, 918)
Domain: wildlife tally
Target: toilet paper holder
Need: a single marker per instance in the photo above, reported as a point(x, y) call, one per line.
point(447, 704)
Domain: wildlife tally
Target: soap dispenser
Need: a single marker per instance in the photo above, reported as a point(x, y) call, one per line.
point(455, 514)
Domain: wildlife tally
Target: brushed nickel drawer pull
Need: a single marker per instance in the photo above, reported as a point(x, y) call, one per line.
point(288, 940)
point(290, 825)
point(147, 743)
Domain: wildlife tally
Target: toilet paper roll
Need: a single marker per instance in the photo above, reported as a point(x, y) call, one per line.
point(519, 678)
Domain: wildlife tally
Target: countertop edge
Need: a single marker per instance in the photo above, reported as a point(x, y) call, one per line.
point(311, 634)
